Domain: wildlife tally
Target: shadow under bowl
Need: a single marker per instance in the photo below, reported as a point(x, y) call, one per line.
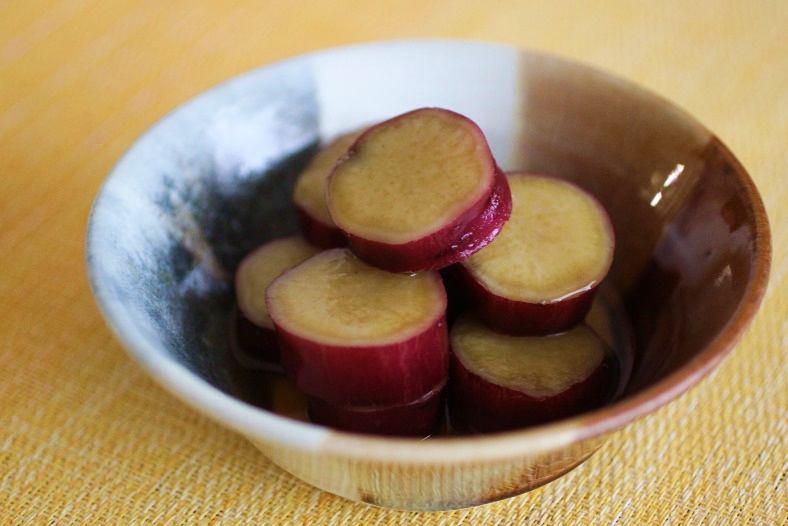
point(214, 179)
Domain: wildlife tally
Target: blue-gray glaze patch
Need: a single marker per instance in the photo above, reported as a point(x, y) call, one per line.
point(196, 193)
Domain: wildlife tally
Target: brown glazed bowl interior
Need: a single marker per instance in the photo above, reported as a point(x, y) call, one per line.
point(692, 238)
point(214, 179)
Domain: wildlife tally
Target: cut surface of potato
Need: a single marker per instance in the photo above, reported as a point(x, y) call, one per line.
point(260, 267)
point(410, 176)
point(336, 298)
point(310, 188)
point(538, 366)
point(558, 242)
point(501, 382)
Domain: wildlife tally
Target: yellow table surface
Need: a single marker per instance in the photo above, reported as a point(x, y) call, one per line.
point(87, 438)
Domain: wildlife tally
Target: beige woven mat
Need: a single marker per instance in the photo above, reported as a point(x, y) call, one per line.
point(87, 438)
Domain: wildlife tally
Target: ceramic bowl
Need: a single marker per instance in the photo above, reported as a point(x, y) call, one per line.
point(214, 178)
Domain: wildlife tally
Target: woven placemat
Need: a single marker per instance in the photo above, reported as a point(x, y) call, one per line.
point(87, 438)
